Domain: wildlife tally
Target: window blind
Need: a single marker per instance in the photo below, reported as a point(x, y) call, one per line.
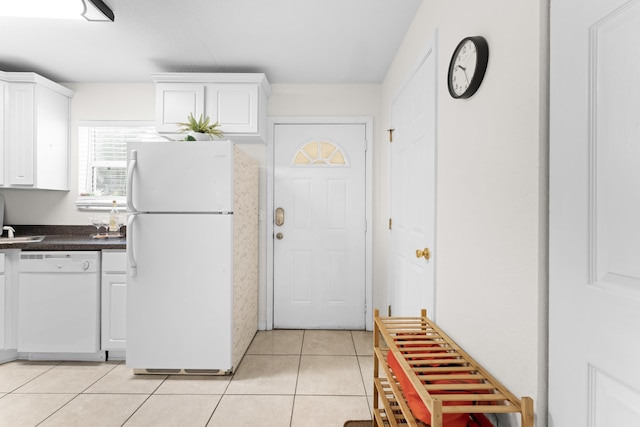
point(102, 153)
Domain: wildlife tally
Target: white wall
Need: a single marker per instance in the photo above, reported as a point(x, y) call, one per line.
point(325, 100)
point(491, 248)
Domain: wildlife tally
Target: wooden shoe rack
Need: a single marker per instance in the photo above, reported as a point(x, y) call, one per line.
point(445, 378)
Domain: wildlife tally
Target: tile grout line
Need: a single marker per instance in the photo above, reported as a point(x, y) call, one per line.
point(76, 394)
point(226, 388)
point(58, 410)
point(360, 364)
point(32, 379)
point(364, 385)
point(295, 389)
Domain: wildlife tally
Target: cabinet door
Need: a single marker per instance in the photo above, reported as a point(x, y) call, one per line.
point(235, 106)
point(114, 312)
point(3, 311)
point(3, 98)
point(174, 103)
point(51, 140)
point(114, 300)
point(8, 305)
point(21, 133)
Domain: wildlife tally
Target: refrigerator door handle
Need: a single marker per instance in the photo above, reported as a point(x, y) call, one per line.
point(133, 267)
point(132, 166)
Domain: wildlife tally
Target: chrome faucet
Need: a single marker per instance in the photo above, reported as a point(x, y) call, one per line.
point(10, 231)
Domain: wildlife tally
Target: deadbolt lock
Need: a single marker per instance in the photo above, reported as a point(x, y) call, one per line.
point(279, 217)
point(279, 236)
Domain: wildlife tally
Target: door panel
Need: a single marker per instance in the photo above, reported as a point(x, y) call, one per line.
point(319, 250)
point(411, 279)
point(174, 103)
point(594, 303)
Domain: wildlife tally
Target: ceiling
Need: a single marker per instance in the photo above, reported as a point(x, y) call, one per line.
point(291, 41)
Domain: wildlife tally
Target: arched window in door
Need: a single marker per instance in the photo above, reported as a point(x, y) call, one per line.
point(320, 153)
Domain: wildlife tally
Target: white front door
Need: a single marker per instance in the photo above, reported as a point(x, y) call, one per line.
point(594, 248)
point(412, 223)
point(319, 230)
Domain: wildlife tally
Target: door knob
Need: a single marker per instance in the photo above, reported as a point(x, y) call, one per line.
point(426, 253)
point(279, 236)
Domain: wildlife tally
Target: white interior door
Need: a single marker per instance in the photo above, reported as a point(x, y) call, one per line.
point(594, 268)
point(412, 225)
point(319, 230)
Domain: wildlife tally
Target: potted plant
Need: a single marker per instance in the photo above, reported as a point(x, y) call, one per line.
point(200, 130)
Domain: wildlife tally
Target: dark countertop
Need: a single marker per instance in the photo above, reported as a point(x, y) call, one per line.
point(63, 238)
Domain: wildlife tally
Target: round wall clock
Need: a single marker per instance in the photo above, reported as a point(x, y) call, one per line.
point(467, 67)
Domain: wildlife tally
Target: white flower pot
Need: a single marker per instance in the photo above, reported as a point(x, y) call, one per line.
point(200, 136)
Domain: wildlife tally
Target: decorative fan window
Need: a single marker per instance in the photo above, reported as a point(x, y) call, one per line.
point(320, 153)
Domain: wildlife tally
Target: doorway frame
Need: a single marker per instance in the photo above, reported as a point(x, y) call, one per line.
point(367, 121)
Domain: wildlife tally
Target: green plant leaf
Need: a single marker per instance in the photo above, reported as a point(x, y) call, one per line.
point(201, 125)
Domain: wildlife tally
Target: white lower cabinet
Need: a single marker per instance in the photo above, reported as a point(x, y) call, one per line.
point(3, 302)
point(8, 305)
point(114, 303)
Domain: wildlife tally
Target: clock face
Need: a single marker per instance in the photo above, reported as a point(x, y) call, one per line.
point(467, 67)
point(464, 67)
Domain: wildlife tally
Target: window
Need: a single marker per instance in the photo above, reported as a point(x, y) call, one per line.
point(320, 153)
point(102, 153)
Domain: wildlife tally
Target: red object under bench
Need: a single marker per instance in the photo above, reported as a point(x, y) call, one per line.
point(422, 376)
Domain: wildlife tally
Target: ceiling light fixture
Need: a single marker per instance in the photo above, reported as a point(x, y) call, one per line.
point(91, 10)
point(96, 10)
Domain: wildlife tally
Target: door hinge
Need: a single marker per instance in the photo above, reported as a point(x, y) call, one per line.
point(366, 145)
point(389, 310)
point(366, 225)
point(390, 223)
point(390, 134)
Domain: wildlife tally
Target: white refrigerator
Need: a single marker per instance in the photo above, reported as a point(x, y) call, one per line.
point(192, 244)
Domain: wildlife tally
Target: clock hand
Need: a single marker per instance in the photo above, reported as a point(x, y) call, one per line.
point(464, 70)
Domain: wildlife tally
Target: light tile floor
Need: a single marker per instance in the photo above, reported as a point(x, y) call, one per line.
point(290, 378)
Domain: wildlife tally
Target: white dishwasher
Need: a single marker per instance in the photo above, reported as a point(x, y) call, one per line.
point(59, 306)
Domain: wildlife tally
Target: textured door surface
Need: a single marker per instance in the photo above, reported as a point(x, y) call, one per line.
point(594, 268)
point(411, 279)
point(319, 248)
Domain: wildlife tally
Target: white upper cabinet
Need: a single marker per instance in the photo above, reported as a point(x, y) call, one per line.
point(22, 135)
point(36, 132)
point(3, 99)
point(175, 101)
point(238, 101)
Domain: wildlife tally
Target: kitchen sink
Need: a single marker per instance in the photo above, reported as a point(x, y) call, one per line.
point(22, 239)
